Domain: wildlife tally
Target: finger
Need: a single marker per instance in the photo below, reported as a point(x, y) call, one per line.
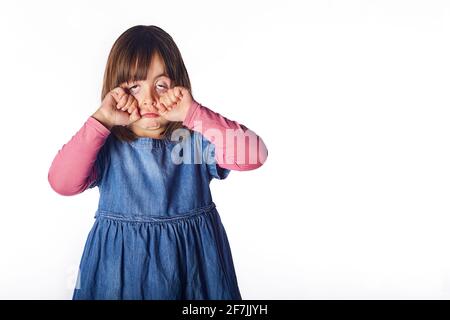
point(130, 109)
point(133, 107)
point(129, 102)
point(173, 98)
point(118, 90)
point(169, 101)
point(161, 107)
point(122, 102)
point(164, 99)
point(118, 93)
point(178, 92)
point(135, 115)
point(136, 108)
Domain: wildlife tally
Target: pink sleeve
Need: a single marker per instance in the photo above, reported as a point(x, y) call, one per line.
point(72, 169)
point(236, 146)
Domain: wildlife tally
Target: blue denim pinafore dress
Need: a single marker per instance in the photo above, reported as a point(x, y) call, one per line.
point(157, 233)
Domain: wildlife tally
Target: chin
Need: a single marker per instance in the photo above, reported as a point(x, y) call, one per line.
point(148, 123)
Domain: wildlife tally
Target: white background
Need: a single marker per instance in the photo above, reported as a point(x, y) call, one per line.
point(350, 97)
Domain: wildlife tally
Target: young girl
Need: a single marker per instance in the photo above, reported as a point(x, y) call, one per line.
point(152, 150)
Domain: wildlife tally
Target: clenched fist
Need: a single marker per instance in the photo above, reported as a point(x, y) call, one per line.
point(174, 104)
point(118, 108)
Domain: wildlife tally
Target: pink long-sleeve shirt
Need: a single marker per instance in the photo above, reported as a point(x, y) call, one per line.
point(73, 170)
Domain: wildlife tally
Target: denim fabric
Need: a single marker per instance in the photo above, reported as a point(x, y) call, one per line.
point(157, 233)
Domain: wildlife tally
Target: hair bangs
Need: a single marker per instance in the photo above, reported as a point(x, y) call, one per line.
point(134, 63)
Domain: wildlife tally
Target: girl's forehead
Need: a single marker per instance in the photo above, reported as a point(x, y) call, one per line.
point(155, 71)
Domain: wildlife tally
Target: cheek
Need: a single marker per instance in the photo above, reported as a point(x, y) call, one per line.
point(138, 99)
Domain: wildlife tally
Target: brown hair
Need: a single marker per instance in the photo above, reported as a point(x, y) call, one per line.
point(129, 60)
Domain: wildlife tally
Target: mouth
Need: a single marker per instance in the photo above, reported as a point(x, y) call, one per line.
point(150, 115)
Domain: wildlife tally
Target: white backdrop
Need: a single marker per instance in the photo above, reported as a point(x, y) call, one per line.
point(351, 98)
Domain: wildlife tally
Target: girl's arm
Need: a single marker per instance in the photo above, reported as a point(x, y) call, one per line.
point(236, 146)
point(72, 169)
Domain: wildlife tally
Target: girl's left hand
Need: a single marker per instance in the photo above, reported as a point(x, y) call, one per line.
point(174, 104)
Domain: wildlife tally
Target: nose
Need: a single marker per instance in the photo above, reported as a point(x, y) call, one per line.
point(147, 99)
point(148, 105)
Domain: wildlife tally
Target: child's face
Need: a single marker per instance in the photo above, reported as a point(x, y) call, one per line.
point(147, 92)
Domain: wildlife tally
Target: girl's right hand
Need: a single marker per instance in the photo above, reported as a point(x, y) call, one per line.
point(118, 108)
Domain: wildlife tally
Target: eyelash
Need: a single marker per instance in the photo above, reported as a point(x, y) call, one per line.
point(159, 85)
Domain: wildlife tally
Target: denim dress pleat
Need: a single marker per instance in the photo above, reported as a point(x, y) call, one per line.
point(157, 233)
